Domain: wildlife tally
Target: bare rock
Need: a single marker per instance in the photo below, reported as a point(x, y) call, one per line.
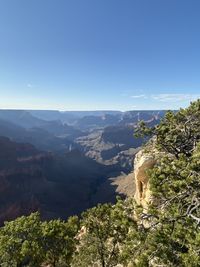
point(144, 161)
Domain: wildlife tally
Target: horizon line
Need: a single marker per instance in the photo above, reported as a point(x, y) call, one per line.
point(88, 110)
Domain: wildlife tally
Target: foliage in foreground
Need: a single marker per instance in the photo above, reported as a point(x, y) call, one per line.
point(28, 241)
point(174, 236)
point(167, 234)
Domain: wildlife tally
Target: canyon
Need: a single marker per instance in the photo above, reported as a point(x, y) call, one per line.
point(63, 163)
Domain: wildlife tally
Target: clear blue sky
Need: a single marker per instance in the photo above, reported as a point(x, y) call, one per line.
point(99, 54)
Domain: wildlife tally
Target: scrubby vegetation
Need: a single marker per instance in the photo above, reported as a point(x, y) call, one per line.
point(165, 234)
point(28, 241)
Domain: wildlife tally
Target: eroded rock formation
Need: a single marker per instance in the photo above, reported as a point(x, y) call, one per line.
point(143, 162)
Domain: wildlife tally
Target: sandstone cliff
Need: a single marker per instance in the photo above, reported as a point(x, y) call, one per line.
point(144, 161)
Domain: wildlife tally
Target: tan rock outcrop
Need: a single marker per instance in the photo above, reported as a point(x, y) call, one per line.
point(143, 162)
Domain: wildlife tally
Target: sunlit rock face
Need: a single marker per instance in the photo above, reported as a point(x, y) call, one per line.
point(143, 162)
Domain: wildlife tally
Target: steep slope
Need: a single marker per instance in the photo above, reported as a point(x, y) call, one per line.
point(27, 121)
point(70, 181)
point(33, 180)
point(95, 122)
point(41, 138)
point(60, 129)
point(20, 117)
point(112, 145)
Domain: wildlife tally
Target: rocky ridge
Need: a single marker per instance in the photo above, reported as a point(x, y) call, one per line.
point(144, 160)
